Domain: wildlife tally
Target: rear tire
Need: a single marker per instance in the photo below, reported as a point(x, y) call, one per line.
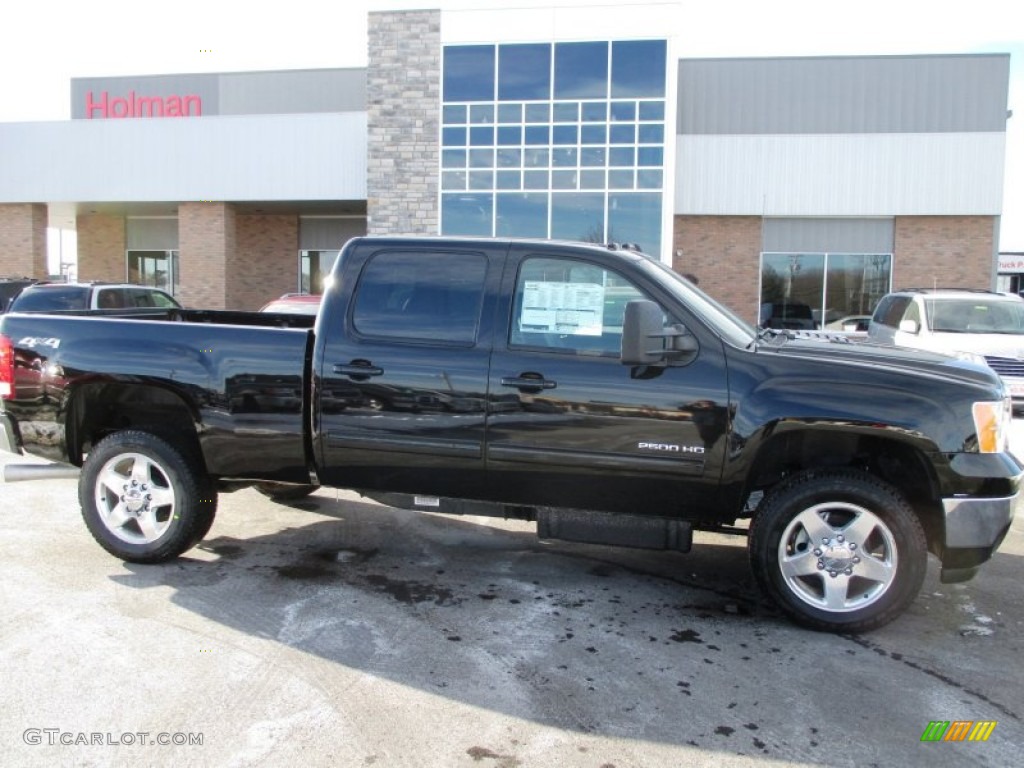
point(838, 550)
point(143, 499)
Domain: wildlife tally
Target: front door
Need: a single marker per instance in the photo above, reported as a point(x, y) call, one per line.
point(569, 425)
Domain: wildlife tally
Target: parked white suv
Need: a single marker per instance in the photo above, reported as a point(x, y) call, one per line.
point(961, 323)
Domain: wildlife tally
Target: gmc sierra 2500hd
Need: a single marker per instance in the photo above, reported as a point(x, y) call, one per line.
point(587, 388)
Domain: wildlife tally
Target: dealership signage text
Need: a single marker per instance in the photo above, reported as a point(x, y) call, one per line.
point(103, 105)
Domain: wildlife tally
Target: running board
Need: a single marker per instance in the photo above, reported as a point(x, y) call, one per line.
point(614, 529)
point(16, 473)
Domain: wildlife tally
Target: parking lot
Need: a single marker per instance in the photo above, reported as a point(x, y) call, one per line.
point(340, 632)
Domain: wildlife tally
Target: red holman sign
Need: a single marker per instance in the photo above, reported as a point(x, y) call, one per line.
point(103, 105)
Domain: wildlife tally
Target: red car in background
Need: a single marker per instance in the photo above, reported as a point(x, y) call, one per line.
point(294, 304)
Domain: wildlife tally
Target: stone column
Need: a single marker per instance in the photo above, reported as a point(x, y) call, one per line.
point(23, 240)
point(102, 244)
point(207, 255)
point(403, 105)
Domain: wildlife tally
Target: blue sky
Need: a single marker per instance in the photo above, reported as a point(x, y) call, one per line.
point(44, 45)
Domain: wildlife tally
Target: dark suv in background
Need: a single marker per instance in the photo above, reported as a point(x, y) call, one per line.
point(11, 287)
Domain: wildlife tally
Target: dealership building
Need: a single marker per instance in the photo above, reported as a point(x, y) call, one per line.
point(820, 180)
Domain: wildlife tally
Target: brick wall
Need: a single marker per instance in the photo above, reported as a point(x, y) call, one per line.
point(23, 240)
point(266, 260)
point(403, 101)
point(101, 247)
point(947, 251)
point(724, 254)
point(207, 255)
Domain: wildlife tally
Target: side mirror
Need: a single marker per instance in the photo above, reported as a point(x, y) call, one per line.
point(910, 326)
point(644, 335)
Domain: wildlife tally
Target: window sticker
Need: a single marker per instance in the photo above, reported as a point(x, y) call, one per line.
point(576, 309)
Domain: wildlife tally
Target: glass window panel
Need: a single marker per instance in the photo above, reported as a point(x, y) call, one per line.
point(480, 136)
point(650, 156)
point(592, 179)
point(593, 134)
point(468, 73)
point(536, 158)
point(538, 134)
point(509, 180)
point(453, 158)
point(509, 135)
point(522, 215)
point(481, 179)
point(538, 113)
point(652, 134)
point(635, 217)
point(638, 68)
point(466, 214)
point(453, 137)
point(595, 111)
point(510, 158)
point(622, 134)
point(652, 110)
point(510, 113)
point(791, 290)
point(453, 180)
point(620, 179)
point(403, 295)
point(481, 114)
point(592, 156)
point(648, 178)
point(854, 285)
point(481, 158)
point(565, 157)
point(565, 134)
point(535, 180)
point(623, 110)
point(563, 179)
point(581, 70)
point(454, 114)
point(578, 216)
point(567, 112)
point(621, 157)
point(524, 71)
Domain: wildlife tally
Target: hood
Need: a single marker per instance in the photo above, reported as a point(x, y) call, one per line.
point(914, 362)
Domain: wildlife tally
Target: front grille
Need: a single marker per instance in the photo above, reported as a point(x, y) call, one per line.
point(1006, 366)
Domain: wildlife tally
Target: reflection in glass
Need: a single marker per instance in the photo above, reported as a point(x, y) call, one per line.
point(522, 215)
point(581, 70)
point(638, 68)
point(524, 72)
point(468, 73)
point(467, 214)
point(635, 217)
point(577, 216)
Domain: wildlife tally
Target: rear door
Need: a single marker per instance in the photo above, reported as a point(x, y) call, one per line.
point(569, 425)
point(401, 389)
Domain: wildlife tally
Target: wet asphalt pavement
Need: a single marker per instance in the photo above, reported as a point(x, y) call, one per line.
point(336, 631)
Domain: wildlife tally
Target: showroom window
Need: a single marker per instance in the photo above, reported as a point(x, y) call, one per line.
point(158, 269)
point(560, 140)
point(821, 290)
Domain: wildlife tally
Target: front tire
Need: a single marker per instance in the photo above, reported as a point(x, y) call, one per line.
point(143, 499)
point(838, 550)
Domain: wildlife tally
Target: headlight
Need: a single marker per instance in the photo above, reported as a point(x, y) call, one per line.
point(972, 357)
point(992, 424)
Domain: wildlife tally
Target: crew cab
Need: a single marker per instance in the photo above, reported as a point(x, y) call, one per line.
point(587, 388)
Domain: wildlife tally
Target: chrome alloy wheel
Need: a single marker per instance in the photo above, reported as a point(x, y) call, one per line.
point(837, 556)
point(134, 498)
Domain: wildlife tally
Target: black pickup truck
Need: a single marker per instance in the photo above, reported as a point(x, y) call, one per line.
point(587, 388)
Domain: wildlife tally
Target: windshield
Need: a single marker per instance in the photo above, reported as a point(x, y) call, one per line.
point(975, 315)
point(720, 318)
point(47, 298)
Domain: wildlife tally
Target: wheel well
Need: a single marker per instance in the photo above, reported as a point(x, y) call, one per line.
point(99, 409)
point(903, 466)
